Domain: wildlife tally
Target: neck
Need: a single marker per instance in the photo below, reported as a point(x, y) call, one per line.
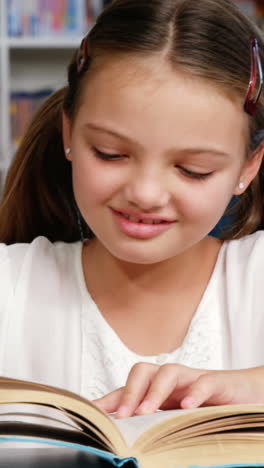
point(112, 274)
point(160, 298)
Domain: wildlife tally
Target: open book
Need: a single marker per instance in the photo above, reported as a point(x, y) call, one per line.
point(212, 436)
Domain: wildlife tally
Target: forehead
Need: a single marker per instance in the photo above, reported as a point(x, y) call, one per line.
point(160, 106)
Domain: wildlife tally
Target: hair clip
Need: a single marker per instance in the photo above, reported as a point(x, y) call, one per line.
point(82, 55)
point(251, 103)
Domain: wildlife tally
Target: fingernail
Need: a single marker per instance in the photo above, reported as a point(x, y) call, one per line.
point(188, 402)
point(122, 412)
point(145, 408)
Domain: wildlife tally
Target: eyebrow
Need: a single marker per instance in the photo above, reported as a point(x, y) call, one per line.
point(110, 132)
point(206, 150)
point(188, 150)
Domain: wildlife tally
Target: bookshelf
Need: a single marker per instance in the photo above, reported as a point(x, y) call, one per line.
point(33, 60)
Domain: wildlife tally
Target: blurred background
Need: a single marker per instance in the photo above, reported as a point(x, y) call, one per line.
point(37, 40)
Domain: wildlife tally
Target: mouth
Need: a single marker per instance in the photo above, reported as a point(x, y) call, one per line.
point(141, 218)
point(141, 227)
point(133, 219)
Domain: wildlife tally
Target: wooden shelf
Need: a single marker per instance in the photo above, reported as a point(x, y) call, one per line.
point(66, 42)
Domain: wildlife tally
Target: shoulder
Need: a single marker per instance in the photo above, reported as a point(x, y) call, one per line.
point(246, 250)
point(243, 271)
point(243, 258)
point(243, 262)
point(40, 257)
point(40, 312)
point(243, 299)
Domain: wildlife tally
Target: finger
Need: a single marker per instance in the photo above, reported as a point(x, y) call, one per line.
point(110, 402)
point(166, 387)
point(138, 382)
point(210, 388)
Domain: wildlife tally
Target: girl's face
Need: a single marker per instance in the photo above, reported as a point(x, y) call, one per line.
point(156, 157)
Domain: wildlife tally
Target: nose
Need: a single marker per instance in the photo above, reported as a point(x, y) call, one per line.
point(147, 191)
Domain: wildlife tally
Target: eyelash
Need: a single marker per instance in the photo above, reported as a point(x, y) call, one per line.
point(106, 156)
point(115, 157)
point(195, 175)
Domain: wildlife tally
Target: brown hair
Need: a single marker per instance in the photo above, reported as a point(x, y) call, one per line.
point(207, 38)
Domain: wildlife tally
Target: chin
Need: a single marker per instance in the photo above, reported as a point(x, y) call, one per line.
point(140, 255)
point(139, 260)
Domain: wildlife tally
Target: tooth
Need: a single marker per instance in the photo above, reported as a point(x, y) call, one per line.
point(142, 221)
point(148, 221)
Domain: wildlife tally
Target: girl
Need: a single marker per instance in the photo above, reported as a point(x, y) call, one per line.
point(109, 280)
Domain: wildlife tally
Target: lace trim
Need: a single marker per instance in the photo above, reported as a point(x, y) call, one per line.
point(106, 360)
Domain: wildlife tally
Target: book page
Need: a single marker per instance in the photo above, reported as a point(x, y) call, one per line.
point(44, 422)
point(18, 391)
point(200, 422)
point(141, 430)
point(132, 428)
point(36, 414)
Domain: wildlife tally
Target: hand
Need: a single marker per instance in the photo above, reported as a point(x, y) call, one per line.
point(150, 387)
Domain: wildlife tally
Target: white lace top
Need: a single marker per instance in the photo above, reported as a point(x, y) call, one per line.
point(51, 330)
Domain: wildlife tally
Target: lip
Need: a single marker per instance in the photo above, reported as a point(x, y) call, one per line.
point(140, 230)
point(144, 216)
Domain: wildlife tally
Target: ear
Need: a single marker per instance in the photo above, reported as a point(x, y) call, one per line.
point(250, 169)
point(66, 135)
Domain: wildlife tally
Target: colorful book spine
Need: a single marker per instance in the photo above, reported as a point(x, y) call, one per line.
point(62, 17)
point(72, 15)
point(14, 18)
point(23, 106)
point(49, 17)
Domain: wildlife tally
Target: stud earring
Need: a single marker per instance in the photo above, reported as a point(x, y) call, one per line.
point(241, 185)
point(67, 151)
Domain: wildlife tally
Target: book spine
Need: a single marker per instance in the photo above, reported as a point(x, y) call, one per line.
point(80, 15)
point(41, 7)
point(14, 18)
point(46, 17)
point(23, 106)
point(88, 12)
point(71, 16)
point(34, 24)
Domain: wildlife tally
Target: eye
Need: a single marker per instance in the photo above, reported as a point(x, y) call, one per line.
point(195, 175)
point(107, 156)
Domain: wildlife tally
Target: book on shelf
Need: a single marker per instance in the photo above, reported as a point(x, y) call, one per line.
point(23, 106)
point(39, 415)
point(46, 17)
point(72, 17)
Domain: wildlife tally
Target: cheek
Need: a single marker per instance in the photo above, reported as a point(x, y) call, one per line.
point(206, 201)
point(92, 182)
